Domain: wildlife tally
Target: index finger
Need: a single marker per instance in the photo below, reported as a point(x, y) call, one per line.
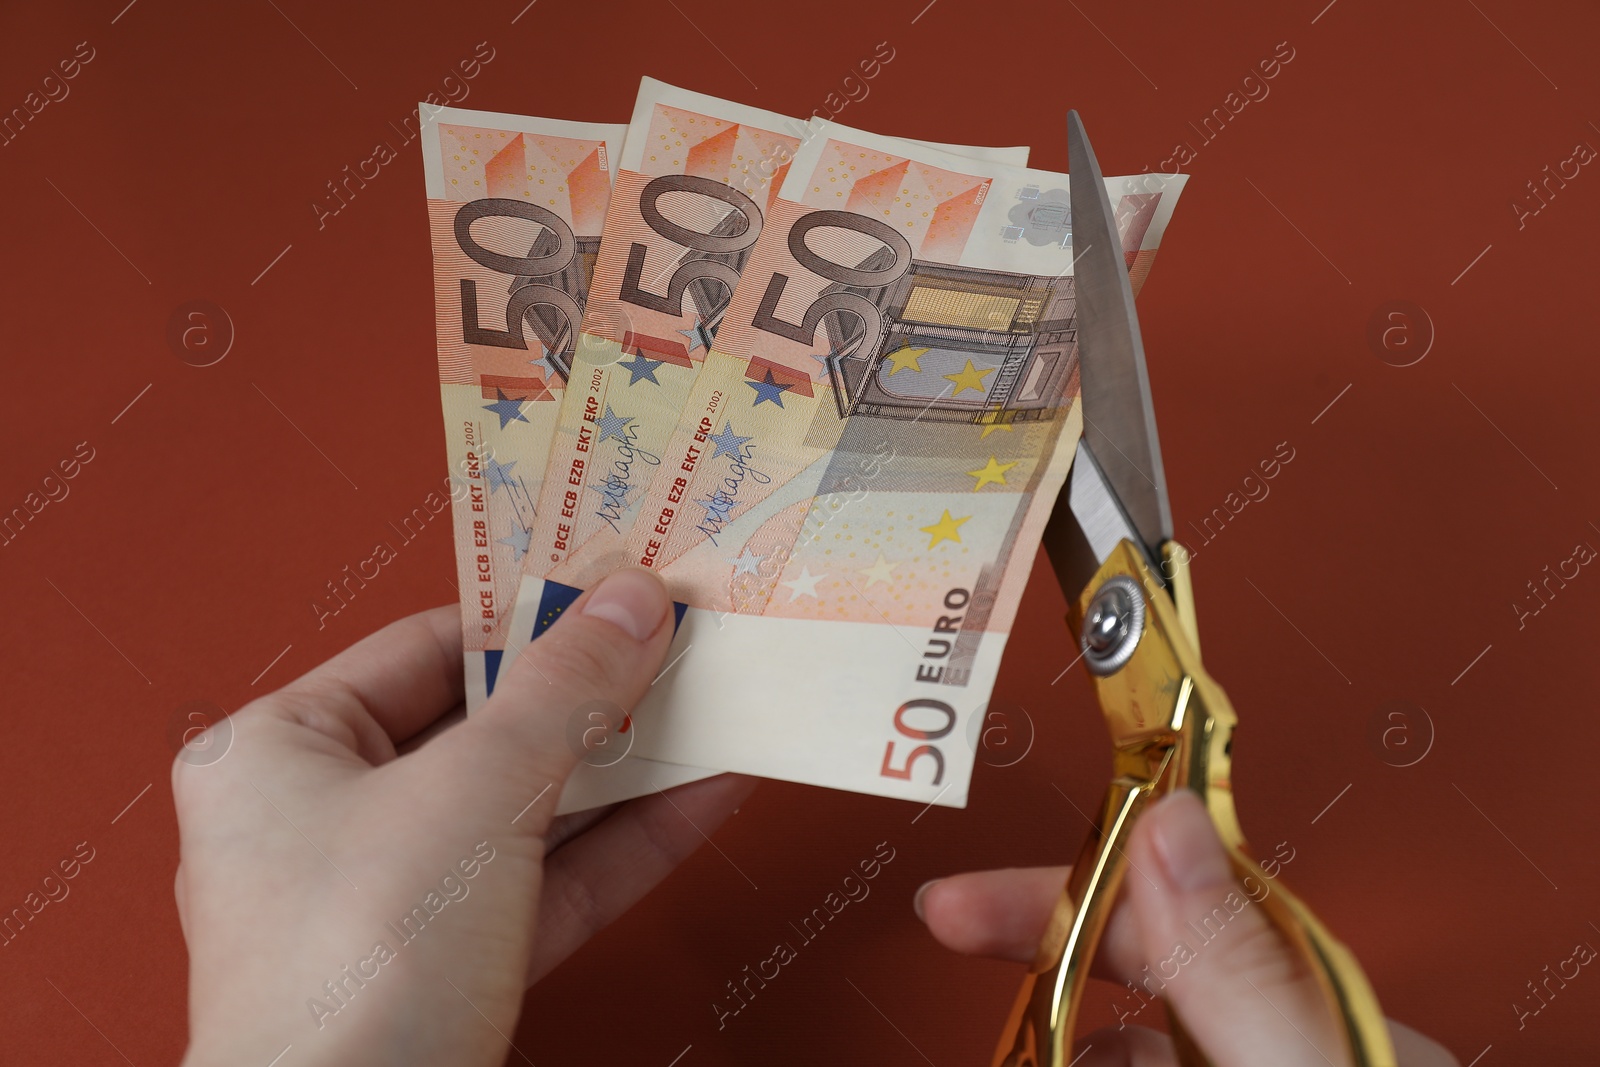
point(402, 677)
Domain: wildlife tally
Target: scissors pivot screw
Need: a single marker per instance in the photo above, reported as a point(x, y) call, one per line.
point(1113, 625)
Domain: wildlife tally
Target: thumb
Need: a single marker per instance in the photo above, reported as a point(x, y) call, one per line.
point(586, 671)
point(1245, 997)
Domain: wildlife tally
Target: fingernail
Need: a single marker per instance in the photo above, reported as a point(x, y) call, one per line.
point(632, 599)
point(916, 901)
point(1187, 845)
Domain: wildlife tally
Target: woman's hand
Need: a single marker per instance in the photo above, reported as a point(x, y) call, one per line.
point(366, 907)
point(1246, 999)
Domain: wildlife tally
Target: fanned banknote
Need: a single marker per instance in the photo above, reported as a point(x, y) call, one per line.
point(859, 479)
point(515, 209)
point(688, 204)
point(696, 178)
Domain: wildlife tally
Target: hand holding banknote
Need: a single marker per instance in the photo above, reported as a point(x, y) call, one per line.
point(369, 907)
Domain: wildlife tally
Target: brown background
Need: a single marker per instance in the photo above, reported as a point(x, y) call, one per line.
point(1384, 160)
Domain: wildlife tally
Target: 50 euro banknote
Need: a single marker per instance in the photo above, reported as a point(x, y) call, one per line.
point(853, 496)
point(696, 178)
point(515, 209)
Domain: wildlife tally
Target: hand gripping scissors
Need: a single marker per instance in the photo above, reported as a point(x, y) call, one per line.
point(1131, 606)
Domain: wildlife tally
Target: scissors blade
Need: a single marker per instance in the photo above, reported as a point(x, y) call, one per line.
point(1086, 526)
point(1119, 422)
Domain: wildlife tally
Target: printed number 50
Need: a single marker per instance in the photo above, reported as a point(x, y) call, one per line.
point(698, 268)
point(904, 770)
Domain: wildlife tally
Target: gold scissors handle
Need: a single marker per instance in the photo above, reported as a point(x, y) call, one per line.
point(1172, 728)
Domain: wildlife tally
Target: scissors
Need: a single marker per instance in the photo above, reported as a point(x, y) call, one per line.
point(1131, 607)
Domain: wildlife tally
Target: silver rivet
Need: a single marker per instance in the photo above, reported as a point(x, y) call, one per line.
point(1113, 625)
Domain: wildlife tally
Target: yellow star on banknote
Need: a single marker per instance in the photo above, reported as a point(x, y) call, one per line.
point(881, 571)
point(992, 427)
point(968, 377)
point(906, 357)
point(946, 529)
point(991, 472)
